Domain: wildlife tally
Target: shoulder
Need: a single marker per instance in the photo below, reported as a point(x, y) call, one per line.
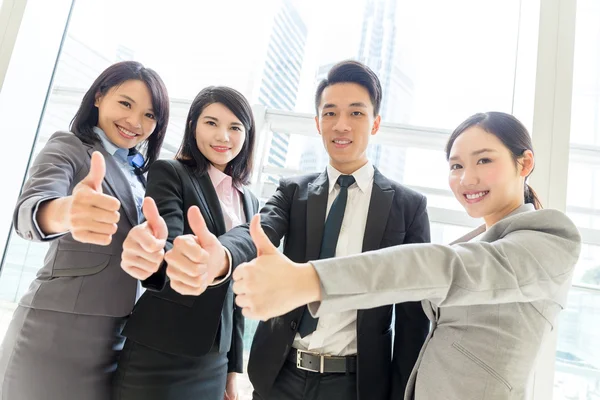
point(299, 180)
point(66, 141)
point(548, 221)
point(403, 194)
point(167, 170)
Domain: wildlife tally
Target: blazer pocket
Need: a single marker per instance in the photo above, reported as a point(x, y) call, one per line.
point(78, 263)
point(168, 294)
point(482, 365)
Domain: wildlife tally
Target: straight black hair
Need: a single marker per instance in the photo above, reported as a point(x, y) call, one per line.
point(351, 71)
point(86, 117)
point(240, 168)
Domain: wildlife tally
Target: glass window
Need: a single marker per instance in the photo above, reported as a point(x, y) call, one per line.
point(577, 373)
point(434, 70)
point(577, 367)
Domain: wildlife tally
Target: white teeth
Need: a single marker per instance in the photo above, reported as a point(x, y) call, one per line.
point(476, 195)
point(342, 141)
point(125, 131)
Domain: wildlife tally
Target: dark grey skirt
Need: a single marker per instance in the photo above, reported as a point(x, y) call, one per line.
point(144, 373)
point(53, 355)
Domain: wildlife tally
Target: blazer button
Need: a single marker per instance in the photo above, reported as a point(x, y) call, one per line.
point(29, 235)
point(294, 325)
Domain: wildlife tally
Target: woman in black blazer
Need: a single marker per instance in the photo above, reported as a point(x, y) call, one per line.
point(180, 346)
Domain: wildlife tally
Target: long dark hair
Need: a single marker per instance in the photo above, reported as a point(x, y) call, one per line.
point(511, 132)
point(87, 116)
point(240, 167)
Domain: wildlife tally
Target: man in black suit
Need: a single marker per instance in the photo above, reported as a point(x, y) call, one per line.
point(347, 209)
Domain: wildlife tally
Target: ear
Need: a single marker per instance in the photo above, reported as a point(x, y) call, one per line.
point(97, 99)
point(376, 124)
point(527, 163)
point(317, 124)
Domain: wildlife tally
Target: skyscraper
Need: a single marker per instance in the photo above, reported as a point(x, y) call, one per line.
point(281, 73)
point(378, 50)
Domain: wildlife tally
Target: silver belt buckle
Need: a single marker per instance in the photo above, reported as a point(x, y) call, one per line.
point(299, 361)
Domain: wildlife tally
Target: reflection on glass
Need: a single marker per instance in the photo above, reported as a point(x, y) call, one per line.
point(578, 354)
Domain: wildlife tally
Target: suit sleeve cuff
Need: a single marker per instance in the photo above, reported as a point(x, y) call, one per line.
point(43, 236)
point(217, 282)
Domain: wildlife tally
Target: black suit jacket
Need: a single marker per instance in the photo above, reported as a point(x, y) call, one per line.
point(188, 325)
point(397, 215)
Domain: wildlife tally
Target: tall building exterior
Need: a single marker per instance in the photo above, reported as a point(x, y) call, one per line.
point(378, 50)
point(281, 73)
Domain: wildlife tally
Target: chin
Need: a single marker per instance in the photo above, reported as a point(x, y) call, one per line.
point(474, 213)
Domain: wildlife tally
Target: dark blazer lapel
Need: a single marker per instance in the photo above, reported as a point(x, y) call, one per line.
point(209, 199)
point(249, 210)
point(382, 196)
point(316, 209)
point(118, 184)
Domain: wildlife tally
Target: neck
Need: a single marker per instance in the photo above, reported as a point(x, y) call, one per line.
point(350, 167)
point(500, 214)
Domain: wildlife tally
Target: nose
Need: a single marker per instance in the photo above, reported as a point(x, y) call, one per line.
point(341, 125)
point(222, 134)
point(469, 177)
point(135, 121)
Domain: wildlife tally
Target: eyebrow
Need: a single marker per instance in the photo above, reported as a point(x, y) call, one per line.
point(217, 120)
point(133, 101)
point(475, 153)
point(357, 104)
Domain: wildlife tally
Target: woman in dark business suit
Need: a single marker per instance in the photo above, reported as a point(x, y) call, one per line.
point(83, 195)
point(182, 346)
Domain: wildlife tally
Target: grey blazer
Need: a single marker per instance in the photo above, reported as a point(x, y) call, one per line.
point(491, 301)
point(76, 277)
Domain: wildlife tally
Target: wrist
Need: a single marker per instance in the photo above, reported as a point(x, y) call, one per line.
point(310, 283)
point(53, 215)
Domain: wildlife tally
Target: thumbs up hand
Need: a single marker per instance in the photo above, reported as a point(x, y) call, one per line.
point(271, 284)
point(92, 216)
point(143, 249)
point(195, 261)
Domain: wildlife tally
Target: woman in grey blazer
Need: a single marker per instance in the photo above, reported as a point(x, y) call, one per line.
point(492, 296)
point(83, 195)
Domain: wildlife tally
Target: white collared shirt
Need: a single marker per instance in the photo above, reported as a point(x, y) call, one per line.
point(336, 333)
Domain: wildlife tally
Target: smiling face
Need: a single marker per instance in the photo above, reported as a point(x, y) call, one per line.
point(125, 113)
point(484, 176)
point(346, 122)
point(220, 135)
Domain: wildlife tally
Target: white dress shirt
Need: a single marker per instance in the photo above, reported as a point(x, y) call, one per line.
point(336, 333)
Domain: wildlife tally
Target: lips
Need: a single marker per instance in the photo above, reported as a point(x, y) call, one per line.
point(125, 133)
point(341, 143)
point(475, 196)
point(221, 149)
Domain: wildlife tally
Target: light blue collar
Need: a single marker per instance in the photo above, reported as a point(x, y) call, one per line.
point(117, 152)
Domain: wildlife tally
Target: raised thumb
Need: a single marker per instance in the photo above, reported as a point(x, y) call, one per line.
point(259, 237)
point(95, 177)
point(198, 226)
point(155, 221)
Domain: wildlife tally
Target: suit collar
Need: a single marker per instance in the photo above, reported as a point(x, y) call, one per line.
point(316, 209)
point(209, 201)
point(382, 197)
point(483, 231)
point(363, 176)
point(249, 209)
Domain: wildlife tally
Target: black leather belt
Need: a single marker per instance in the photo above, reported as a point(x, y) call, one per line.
point(314, 362)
